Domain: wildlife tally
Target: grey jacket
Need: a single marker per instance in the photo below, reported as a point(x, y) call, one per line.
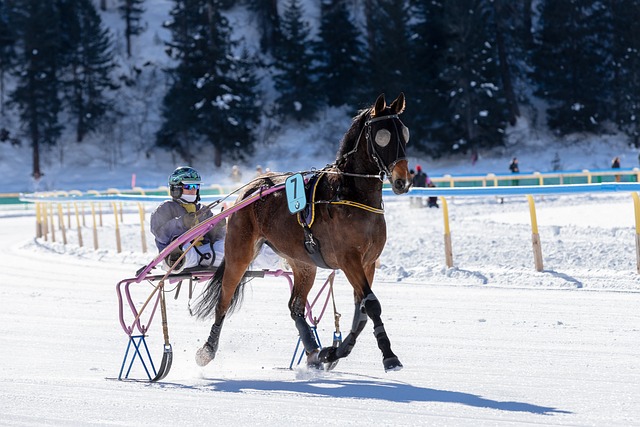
point(166, 224)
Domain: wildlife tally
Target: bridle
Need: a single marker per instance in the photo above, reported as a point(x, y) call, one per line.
point(384, 169)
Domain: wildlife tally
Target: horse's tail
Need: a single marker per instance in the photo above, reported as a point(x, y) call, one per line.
point(206, 303)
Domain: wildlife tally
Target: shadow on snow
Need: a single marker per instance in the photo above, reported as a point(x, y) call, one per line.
point(372, 389)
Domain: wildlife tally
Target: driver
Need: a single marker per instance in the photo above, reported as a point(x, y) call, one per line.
point(174, 217)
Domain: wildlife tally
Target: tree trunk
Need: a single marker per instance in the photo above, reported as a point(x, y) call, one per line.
point(217, 157)
point(36, 159)
point(527, 25)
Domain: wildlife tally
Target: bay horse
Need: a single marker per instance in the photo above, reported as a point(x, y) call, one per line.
point(348, 227)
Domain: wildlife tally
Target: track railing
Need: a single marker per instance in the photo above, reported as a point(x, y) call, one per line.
point(527, 191)
point(50, 208)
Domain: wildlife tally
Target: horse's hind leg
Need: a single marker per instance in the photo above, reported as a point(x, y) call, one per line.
point(233, 268)
point(303, 277)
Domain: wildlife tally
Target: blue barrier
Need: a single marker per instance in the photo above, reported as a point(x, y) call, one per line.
point(520, 190)
point(415, 191)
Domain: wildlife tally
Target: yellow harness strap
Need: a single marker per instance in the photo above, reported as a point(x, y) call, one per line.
point(312, 202)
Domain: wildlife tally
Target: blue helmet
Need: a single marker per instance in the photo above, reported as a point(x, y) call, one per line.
point(180, 176)
point(184, 175)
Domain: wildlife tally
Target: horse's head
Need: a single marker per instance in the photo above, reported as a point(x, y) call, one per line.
point(387, 139)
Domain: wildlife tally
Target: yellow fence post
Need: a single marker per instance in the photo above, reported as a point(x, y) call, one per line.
point(115, 214)
point(95, 228)
point(52, 222)
point(61, 224)
point(636, 210)
point(45, 221)
point(38, 220)
point(142, 233)
point(535, 237)
point(448, 251)
point(94, 192)
point(80, 243)
point(69, 215)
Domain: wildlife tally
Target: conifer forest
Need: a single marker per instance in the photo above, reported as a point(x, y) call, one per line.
point(470, 69)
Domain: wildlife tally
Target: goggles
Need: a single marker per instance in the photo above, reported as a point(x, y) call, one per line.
point(191, 186)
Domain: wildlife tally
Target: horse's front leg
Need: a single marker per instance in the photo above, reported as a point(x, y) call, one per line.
point(331, 354)
point(368, 307)
point(374, 310)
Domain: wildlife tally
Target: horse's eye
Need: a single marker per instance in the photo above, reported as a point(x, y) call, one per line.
point(383, 137)
point(405, 133)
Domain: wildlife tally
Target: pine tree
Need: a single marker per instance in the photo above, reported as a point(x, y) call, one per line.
point(245, 115)
point(341, 54)
point(507, 23)
point(626, 67)
point(204, 103)
point(7, 47)
point(89, 59)
point(427, 112)
point(131, 11)
point(269, 23)
point(572, 64)
point(37, 92)
point(294, 82)
point(476, 106)
point(388, 46)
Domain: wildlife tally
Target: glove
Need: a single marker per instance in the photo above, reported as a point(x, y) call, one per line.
point(189, 219)
point(171, 259)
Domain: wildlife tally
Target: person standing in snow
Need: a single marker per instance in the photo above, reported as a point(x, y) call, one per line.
point(514, 168)
point(615, 164)
point(174, 217)
point(418, 180)
point(432, 202)
point(236, 175)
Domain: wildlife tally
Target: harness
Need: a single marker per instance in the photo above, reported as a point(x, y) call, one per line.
point(306, 217)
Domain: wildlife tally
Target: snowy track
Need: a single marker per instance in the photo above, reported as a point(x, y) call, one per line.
point(490, 342)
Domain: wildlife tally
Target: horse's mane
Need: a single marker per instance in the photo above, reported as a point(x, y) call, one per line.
point(351, 136)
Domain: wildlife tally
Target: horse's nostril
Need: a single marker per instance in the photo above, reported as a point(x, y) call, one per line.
point(399, 184)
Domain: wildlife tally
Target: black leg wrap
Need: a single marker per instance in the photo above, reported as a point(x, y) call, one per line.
point(346, 346)
point(208, 351)
point(374, 310)
point(359, 319)
point(306, 334)
point(331, 354)
point(214, 337)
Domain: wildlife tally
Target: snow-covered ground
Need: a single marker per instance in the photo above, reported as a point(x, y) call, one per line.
point(487, 342)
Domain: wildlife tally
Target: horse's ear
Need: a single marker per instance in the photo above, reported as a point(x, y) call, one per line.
point(379, 105)
point(398, 105)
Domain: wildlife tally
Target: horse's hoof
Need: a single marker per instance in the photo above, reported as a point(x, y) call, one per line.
point(327, 354)
point(328, 358)
point(313, 360)
point(205, 354)
point(392, 364)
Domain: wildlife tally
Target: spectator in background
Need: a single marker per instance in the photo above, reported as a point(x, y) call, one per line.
point(615, 164)
point(418, 180)
point(236, 175)
point(514, 168)
point(432, 201)
point(259, 170)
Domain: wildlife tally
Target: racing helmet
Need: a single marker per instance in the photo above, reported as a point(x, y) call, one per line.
point(179, 177)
